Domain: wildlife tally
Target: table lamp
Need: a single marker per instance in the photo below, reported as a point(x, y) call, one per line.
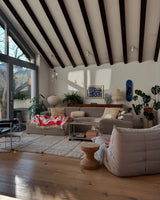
point(116, 95)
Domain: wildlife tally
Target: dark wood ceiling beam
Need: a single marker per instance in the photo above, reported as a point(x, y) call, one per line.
point(55, 27)
point(157, 46)
point(88, 27)
point(25, 28)
point(105, 29)
point(123, 29)
point(34, 18)
point(67, 18)
point(142, 29)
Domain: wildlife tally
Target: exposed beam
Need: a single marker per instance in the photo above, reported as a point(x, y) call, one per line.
point(34, 18)
point(157, 46)
point(142, 29)
point(55, 27)
point(123, 29)
point(67, 18)
point(88, 27)
point(105, 29)
point(14, 12)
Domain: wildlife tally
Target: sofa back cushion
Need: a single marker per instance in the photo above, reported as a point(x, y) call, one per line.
point(93, 111)
point(77, 114)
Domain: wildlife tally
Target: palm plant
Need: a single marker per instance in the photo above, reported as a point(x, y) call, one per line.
point(37, 106)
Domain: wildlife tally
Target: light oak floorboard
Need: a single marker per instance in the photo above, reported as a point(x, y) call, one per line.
point(48, 177)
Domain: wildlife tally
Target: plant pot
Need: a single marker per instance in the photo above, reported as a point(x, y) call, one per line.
point(148, 110)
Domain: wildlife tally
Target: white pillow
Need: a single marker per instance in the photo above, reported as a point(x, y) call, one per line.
point(77, 114)
point(108, 116)
point(120, 117)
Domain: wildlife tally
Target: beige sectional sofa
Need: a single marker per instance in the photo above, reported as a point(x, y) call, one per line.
point(91, 114)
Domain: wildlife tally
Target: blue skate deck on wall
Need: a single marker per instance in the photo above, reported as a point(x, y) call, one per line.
point(129, 90)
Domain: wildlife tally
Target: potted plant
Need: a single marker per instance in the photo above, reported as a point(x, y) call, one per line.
point(37, 106)
point(73, 98)
point(147, 104)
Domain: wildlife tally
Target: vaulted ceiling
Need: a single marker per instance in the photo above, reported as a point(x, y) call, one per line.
point(85, 32)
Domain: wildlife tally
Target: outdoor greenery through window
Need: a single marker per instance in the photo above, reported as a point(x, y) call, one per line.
point(2, 40)
point(3, 90)
point(22, 91)
point(15, 51)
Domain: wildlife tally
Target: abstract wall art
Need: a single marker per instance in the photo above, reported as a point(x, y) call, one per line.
point(95, 91)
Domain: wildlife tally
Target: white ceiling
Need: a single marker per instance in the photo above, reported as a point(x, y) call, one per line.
point(132, 13)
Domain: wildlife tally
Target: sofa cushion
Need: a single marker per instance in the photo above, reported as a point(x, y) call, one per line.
point(57, 112)
point(68, 110)
point(110, 113)
point(77, 114)
point(93, 111)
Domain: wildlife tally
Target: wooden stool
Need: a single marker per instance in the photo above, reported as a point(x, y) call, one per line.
point(89, 162)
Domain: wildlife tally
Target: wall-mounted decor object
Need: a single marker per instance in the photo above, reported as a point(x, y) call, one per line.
point(107, 98)
point(129, 90)
point(95, 91)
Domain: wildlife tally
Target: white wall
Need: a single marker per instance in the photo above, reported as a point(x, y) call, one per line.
point(144, 76)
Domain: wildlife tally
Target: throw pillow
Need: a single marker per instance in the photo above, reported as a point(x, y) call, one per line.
point(57, 112)
point(121, 113)
point(111, 113)
point(108, 116)
point(77, 114)
point(120, 117)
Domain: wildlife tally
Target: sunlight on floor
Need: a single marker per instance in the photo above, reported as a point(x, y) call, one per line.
point(2, 197)
point(35, 192)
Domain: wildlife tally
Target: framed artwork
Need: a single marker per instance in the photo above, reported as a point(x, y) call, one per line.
point(95, 91)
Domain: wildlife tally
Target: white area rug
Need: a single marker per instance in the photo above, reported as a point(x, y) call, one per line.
point(57, 145)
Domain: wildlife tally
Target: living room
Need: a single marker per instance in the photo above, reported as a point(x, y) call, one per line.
point(91, 43)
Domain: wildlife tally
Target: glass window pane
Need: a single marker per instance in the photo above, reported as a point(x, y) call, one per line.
point(2, 40)
point(3, 90)
point(16, 52)
point(22, 92)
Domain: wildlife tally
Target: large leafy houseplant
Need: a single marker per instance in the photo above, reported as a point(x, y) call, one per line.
point(72, 98)
point(37, 106)
point(147, 103)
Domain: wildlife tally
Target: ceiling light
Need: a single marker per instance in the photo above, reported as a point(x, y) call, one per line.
point(88, 53)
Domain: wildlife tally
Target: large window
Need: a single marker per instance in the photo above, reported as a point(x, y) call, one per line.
point(2, 40)
point(15, 51)
point(17, 69)
point(22, 91)
point(3, 90)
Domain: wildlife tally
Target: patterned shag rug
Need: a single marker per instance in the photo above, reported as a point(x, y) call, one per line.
point(57, 145)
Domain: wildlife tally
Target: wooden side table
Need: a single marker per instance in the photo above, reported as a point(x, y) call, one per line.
point(89, 162)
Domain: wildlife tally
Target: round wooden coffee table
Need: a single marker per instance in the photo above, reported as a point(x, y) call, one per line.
point(89, 162)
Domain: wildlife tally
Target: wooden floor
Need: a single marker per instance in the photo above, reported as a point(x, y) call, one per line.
point(38, 176)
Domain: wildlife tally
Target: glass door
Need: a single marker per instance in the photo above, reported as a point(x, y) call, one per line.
point(21, 92)
point(3, 90)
